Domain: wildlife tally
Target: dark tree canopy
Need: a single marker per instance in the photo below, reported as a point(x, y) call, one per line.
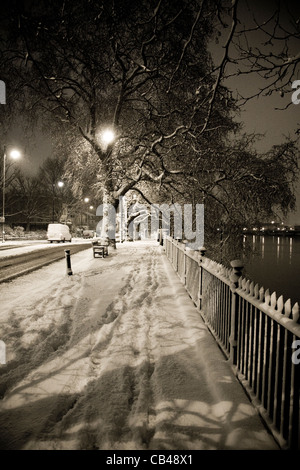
point(143, 70)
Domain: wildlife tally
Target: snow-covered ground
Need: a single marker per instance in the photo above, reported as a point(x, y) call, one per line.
point(116, 357)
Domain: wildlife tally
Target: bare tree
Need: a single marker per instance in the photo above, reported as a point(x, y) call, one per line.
point(265, 45)
point(28, 198)
point(55, 192)
point(141, 70)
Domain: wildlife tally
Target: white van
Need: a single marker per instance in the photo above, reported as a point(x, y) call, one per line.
point(58, 233)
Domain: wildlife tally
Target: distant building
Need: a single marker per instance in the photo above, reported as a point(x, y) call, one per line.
point(271, 228)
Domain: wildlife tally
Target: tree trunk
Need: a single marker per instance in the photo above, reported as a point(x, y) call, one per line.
point(109, 215)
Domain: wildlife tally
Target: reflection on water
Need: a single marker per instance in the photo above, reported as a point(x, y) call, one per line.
point(275, 264)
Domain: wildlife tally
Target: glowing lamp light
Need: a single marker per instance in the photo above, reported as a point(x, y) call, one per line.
point(15, 154)
point(108, 136)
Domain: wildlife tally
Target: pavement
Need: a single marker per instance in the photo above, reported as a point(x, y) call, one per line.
point(242, 426)
point(199, 400)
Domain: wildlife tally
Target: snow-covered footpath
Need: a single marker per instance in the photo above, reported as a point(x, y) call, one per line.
point(116, 357)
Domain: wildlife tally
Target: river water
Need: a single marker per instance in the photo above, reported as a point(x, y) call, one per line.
point(275, 264)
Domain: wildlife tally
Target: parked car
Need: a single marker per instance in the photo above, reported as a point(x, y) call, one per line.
point(58, 233)
point(88, 233)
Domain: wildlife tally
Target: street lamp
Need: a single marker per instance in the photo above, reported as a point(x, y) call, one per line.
point(86, 200)
point(15, 154)
point(106, 137)
point(60, 184)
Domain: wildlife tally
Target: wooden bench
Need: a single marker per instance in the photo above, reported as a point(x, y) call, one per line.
point(100, 248)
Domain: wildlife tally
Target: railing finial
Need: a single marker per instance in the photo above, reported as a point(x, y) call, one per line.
point(202, 251)
point(237, 267)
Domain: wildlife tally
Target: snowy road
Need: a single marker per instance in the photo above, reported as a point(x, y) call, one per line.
point(13, 266)
point(116, 357)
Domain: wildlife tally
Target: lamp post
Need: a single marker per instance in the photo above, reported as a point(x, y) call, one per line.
point(15, 154)
point(60, 184)
point(86, 200)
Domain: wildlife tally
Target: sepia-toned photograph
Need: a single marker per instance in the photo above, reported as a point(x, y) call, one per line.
point(150, 228)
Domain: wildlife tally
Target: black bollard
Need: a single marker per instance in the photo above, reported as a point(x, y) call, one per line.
point(68, 259)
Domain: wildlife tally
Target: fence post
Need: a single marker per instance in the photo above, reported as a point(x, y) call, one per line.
point(237, 267)
point(184, 265)
point(202, 252)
